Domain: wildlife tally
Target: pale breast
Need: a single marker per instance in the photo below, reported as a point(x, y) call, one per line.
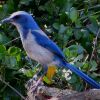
point(35, 51)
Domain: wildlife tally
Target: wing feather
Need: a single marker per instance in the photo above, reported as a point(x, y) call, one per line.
point(45, 42)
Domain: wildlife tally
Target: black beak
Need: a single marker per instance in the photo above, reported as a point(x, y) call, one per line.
point(6, 20)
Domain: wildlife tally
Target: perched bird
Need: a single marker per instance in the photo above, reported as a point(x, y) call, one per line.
point(40, 48)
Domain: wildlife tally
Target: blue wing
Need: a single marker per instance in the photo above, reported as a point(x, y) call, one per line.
point(51, 46)
point(47, 43)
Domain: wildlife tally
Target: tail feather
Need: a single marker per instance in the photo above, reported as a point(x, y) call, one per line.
point(89, 80)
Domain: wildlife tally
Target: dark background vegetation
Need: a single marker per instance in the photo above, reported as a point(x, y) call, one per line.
point(72, 24)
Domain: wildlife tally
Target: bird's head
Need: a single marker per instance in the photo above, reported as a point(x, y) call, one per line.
point(21, 19)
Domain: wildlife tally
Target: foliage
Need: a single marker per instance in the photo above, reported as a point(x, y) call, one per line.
point(72, 24)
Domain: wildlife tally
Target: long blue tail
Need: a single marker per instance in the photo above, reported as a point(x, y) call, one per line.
point(89, 80)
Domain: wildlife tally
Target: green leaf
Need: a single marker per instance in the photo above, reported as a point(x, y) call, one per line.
point(73, 79)
point(14, 50)
point(79, 64)
point(2, 49)
point(73, 14)
point(86, 66)
point(76, 48)
point(67, 52)
point(46, 80)
point(69, 31)
point(93, 65)
point(56, 26)
point(11, 62)
point(62, 28)
point(18, 57)
point(78, 58)
point(64, 18)
point(28, 73)
point(93, 20)
point(26, 2)
point(79, 86)
point(3, 39)
point(78, 34)
point(10, 4)
point(93, 28)
point(60, 3)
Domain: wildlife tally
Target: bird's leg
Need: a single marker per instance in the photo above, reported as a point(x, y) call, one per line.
point(34, 87)
point(32, 81)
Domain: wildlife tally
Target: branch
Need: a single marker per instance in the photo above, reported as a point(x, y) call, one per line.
point(12, 41)
point(94, 7)
point(12, 88)
point(95, 43)
point(51, 93)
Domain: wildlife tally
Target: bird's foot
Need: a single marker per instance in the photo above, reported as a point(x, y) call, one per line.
point(32, 85)
point(38, 83)
point(31, 82)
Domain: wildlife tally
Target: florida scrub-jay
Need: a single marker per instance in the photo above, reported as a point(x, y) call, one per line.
point(40, 48)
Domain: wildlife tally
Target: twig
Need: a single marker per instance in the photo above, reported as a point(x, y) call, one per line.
point(95, 43)
point(12, 41)
point(97, 6)
point(86, 17)
point(12, 88)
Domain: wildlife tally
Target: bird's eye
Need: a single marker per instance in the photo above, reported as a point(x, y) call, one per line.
point(17, 17)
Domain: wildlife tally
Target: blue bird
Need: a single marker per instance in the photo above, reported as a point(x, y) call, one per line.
point(40, 48)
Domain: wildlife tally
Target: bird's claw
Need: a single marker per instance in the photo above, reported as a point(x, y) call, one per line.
point(32, 85)
point(34, 88)
point(31, 82)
